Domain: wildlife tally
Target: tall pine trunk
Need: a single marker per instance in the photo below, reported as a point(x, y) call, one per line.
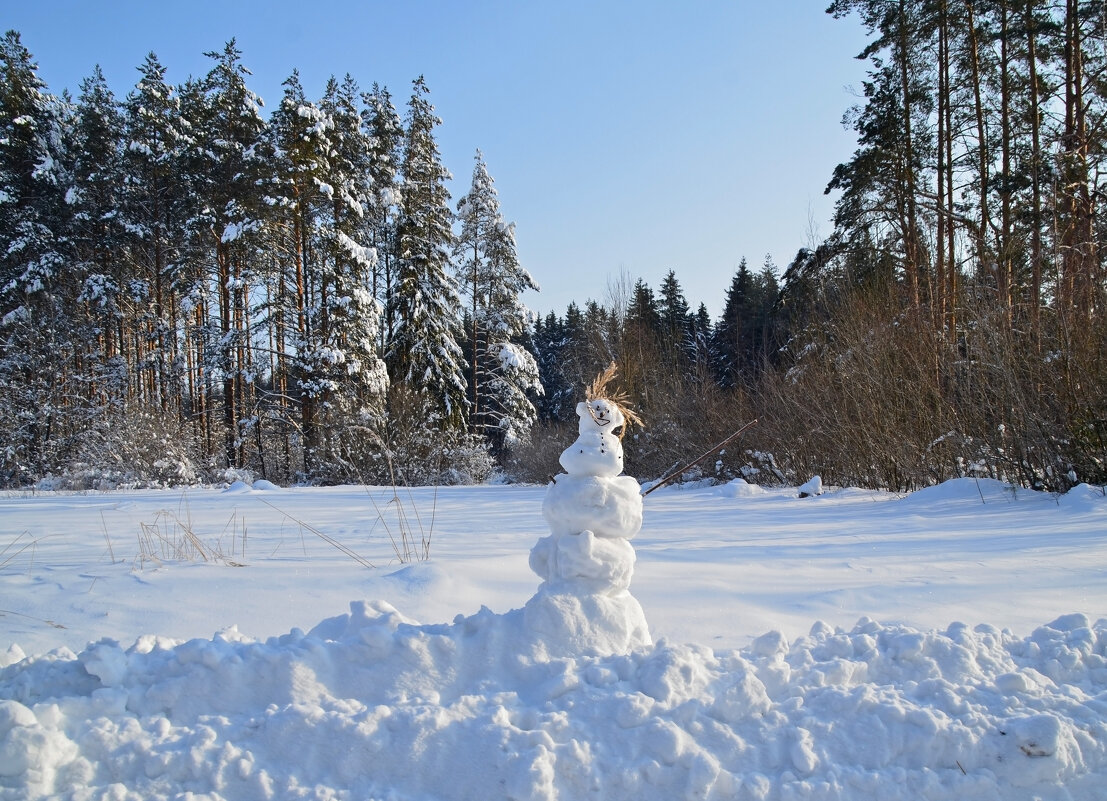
point(1078, 246)
point(1036, 169)
point(911, 239)
point(223, 271)
point(981, 235)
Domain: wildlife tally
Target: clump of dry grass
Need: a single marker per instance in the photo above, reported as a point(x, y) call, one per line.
point(170, 537)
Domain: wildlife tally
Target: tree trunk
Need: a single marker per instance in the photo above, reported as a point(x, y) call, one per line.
point(1005, 246)
point(910, 241)
point(223, 272)
point(939, 294)
point(1036, 171)
point(473, 416)
point(1078, 249)
point(982, 251)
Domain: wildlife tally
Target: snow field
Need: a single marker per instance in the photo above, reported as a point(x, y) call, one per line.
point(743, 693)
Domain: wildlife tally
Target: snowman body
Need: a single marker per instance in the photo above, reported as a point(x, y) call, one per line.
point(586, 563)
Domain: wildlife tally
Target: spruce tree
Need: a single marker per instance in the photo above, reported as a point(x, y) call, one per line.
point(764, 335)
point(699, 345)
point(549, 343)
point(640, 342)
point(503, 370)
point(33, 306)
point(673, 308)
point(385, 133)
point(677, 338)
point(424, 355)
point(730, 339)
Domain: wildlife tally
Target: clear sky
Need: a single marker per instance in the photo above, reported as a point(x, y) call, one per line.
point(626, 138)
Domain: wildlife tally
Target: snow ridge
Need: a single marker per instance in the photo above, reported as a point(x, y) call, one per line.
point(372, 705)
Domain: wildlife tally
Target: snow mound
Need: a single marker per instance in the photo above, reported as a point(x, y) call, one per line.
point(967, 492)
point(811, 488)
point(740, 488)
point(372, 705)
point(1084, 497)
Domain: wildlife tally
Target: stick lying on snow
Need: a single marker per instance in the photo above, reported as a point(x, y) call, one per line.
point(696, 461)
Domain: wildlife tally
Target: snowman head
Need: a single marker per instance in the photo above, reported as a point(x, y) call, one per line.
point(602, 415)
point(605, 409)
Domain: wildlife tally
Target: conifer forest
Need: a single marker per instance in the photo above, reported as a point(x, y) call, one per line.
point(192, 290)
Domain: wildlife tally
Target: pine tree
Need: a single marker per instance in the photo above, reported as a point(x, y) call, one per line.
point(33, 308)
point(504, 370)
point(385, 133)
point(299, 133)
point(424, 355)
point(881, 184)
point(228, 169)
point(349, 313)
point(99, 237)
point(161, 304)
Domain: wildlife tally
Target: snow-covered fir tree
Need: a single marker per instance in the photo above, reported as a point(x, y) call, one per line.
point(424, 354)
point(33, 303)
point(227, 169)
point(503, 369)
point(349, 321)
point(99, 267)
point(160, 301)
point(97, 233)
point(676, 319)
point(385, 132)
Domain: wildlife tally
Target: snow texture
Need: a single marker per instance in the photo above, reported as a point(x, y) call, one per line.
point(371, 704)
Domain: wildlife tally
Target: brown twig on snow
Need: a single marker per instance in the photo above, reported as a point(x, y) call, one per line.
point(700, 458)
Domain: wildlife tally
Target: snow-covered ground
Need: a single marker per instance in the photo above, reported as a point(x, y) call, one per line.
point(949, 644)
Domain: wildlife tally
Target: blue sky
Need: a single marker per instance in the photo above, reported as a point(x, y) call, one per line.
point(625, 138)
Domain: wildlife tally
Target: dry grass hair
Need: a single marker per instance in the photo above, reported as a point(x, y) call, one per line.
point(601, 388)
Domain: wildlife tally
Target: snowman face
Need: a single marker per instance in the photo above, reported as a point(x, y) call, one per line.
point(600, 415)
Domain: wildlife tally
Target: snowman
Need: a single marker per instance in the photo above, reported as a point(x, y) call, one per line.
point(584, 604)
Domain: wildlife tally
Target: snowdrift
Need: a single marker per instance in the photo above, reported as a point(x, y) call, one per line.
point(372, 705)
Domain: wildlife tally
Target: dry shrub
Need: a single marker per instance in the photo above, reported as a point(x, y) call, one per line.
point(880, 397)
point(535, 459)
point(146, 448)
point(423, 451)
